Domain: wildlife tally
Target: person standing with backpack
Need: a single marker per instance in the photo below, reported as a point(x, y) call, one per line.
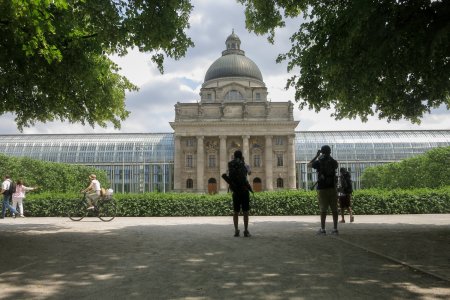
point(237, 174)
point(8, 188)
point(345, 194)
point(326, 167)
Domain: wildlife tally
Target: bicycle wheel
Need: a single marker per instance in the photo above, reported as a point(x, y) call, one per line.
point(77, 210)
point(106, 210)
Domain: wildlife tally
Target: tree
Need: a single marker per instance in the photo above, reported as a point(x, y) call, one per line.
point(386, 57)
point(59, 177)
point(431, 170)
point(54, 55)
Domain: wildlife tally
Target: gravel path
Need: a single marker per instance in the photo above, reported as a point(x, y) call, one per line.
point(377, 257)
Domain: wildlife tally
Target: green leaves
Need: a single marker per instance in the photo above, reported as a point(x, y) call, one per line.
point(54, 62)
point(388, 58)
point(50, 177)
point(429, 170)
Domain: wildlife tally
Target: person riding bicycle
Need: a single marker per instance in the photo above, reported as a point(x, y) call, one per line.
point(93, 191)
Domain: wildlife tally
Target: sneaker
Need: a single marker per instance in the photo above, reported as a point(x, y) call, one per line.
point(14, 216)
point(352, 219)
point(342, 221)
point(22, 216)
point(247, 234)
point(321, 232)
point(236, 233)
point(90, 207)
point(335, 232)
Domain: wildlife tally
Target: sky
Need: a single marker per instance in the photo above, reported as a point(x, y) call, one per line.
point(152, 107)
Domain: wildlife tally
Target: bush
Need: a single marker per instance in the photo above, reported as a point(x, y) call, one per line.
point(429, 170)
point(370, 201)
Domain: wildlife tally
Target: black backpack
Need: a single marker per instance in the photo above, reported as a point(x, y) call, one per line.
point(327, 172)
point(237, 172)
point(346, 183)
point(12, 187)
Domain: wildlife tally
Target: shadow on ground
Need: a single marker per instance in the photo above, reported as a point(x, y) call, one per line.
point(282, 260)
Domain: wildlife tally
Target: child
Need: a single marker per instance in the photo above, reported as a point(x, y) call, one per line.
point(345, 195)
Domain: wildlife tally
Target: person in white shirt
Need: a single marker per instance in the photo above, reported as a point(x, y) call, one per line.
point(19, 195)
point(93, 191)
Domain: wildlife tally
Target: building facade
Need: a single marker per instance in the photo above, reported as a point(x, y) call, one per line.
point(233, 114)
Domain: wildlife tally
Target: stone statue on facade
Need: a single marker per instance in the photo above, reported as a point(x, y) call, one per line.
point(200, 110)
point(245, 110)
point(222, 108)
point(177, 111)
point(268, 107)
point(291, 111)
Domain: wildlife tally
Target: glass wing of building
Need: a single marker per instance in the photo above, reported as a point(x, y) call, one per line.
point(144, 162)
point(133, 162)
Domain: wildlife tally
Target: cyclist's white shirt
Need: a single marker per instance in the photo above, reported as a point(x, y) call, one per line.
point(96, 184)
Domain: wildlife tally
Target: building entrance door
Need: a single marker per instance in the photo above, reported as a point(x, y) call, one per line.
point(257, 184)
point(212, 186)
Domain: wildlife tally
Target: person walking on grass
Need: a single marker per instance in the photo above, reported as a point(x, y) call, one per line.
point(6, 184)
point(19, 195)
point(326, 167)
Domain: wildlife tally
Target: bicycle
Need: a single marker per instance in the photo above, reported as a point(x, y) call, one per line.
point(104, 209)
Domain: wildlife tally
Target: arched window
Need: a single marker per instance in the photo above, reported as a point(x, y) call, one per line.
point(189, 184)
point(234, 95)
point(280, 183)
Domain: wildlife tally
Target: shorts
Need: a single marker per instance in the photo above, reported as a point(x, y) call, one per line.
point(241, 199)
point(327, 198)
point(344, 201)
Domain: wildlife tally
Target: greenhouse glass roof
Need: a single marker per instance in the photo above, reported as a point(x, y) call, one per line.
point(369, 145)
point(378, 146)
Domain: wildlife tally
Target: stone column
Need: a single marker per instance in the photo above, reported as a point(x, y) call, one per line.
point(223, 162)
point(200, 165)
point(177, 165)
point(268, 163)
point(245, 148)
point(291, 163)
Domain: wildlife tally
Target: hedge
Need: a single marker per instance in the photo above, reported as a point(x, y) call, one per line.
point(373, 201)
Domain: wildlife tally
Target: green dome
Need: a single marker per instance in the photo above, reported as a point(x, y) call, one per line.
point(233, 63)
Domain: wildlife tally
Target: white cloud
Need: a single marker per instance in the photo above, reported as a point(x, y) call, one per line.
point(152, 107)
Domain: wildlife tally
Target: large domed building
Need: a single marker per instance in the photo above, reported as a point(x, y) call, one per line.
point(233, 114)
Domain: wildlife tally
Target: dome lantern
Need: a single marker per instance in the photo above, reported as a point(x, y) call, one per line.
point(233, 42)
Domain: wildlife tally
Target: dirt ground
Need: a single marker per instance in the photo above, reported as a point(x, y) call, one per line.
point(377, 257)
